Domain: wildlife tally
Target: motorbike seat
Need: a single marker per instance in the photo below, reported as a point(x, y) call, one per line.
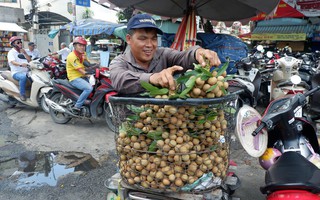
point(67, 84)
point(8, 76)
point(292, 171)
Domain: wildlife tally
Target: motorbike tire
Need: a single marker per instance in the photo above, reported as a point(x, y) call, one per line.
point(109, 119)
point(45, 107)
point(58, 117)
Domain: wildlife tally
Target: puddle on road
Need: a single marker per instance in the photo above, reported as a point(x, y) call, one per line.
point(34, 169)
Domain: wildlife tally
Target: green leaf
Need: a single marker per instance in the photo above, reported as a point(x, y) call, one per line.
point(175, 96)
point(153, 89)
point(161, 91)
point(223, 68)
point(206, 73)
point(135, 109)
point(134, 131)
point(148, 86)
point(133, 118)
point(201, 121)
point(183, 79)
point(156, 135)
point(223, 90)
point(213, 148)
point(189, 85)
point(212, 87)
point(153, 146)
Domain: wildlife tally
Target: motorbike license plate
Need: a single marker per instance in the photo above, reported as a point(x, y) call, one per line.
point(298, 111)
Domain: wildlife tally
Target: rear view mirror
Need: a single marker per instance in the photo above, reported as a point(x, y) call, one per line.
point(21, 56)
point(269, 54)
point(259, 47)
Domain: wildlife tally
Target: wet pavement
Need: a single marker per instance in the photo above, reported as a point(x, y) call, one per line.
point(36, 169)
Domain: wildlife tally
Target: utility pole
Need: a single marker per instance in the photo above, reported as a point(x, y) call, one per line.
point(35, 20)
point(74, 14)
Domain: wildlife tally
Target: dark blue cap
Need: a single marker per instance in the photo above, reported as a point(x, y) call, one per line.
point(143, 21)
point(31, 44)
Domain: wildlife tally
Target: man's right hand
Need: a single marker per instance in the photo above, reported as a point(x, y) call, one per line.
point(165, 77)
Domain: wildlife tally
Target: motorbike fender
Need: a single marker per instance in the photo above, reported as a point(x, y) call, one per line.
point(45, 90)
point(247, 84)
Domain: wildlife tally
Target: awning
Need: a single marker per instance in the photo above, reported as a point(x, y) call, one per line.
point(12, 27)
point(93, 27)
point(282, 33)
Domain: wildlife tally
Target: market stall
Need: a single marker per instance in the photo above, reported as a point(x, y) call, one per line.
point(7, 30)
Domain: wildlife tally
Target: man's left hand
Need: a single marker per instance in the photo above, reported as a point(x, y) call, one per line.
point(210, 55)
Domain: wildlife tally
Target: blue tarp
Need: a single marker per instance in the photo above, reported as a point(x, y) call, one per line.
point(92, 27)
point(224, 45)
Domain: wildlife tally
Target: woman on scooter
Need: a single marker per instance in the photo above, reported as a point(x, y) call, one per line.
point(76, 71)
point(18, 65)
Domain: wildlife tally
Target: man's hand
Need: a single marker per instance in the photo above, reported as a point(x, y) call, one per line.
point(210, 55)
point(24, 64)
point(165, 77)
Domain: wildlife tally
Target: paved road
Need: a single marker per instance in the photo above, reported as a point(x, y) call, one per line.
point(34, 130)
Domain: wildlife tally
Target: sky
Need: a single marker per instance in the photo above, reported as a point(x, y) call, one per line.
point(103, 13)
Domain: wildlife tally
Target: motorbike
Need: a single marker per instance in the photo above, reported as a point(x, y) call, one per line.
point(55, 67)
point(280, 83)
point(291, 152)
point(64, 97)
point(247, 78)
point(39, 84)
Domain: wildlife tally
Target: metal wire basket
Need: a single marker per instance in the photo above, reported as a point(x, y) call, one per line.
point(173, 145)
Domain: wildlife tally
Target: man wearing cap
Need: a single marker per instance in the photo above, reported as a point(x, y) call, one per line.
point(146, 62)
point(64, 52)
point(32, 51)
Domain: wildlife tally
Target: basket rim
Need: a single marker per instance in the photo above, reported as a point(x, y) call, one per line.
point(189, 101)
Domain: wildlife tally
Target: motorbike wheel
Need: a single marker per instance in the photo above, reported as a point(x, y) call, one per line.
point(109, 119)
point(58, 117)
point(45, 107)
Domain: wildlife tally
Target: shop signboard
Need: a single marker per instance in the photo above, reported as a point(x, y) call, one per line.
point(279, 37)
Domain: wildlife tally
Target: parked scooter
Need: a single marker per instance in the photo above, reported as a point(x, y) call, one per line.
point(40, 85)
point(247, 78)
point(55, 67)
point(281, 84)
point(64, 96)
point(292, 159)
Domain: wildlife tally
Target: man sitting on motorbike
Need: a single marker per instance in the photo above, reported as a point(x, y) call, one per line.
point(76, 71)
point(18, 66)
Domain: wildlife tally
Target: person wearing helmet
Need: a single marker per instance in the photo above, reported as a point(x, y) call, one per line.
point(146, 62)
point(76, 71)
point(64, 52)
point(18, 66)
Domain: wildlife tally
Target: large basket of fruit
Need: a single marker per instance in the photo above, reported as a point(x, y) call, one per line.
point(176, 141)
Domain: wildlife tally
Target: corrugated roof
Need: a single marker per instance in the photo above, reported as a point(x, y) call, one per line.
point(284, 29)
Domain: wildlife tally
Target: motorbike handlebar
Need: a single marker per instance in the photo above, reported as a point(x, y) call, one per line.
point(260, 127)
point(311, 92)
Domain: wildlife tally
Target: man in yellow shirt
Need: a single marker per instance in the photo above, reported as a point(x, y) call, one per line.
point(76, 71)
